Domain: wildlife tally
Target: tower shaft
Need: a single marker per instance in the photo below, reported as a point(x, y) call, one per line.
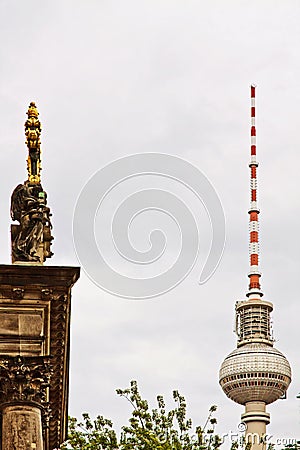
point(256, 420)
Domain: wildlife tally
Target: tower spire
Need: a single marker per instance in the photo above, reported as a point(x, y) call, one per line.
point(254, 274)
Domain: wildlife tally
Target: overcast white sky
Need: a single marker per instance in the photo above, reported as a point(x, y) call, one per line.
point(112, 78)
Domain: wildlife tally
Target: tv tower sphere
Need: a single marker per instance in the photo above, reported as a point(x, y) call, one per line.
point(255, 373)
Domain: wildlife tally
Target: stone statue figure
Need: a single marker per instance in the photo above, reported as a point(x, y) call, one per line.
point(28, 207)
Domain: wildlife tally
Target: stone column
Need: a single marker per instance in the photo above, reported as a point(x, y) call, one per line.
point(24, 385)
point(22, 427)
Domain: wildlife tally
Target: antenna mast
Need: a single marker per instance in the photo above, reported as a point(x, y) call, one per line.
point(254, 274)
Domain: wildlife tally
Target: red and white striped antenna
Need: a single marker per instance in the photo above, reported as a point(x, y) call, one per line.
point(254, 274)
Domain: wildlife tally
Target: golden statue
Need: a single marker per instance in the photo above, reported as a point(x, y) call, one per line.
point(32, 131)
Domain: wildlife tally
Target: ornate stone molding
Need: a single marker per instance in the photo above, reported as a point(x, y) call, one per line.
point(60, 306)
point(24, 379)
point(46, 294)
point(17, 293)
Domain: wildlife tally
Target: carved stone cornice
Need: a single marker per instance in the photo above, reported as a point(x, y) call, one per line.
point(24, 379)
point(40, 276)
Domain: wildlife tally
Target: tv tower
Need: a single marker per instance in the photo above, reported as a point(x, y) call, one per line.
point(255, 374)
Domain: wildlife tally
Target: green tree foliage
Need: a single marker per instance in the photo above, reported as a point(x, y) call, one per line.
point(147, 429)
